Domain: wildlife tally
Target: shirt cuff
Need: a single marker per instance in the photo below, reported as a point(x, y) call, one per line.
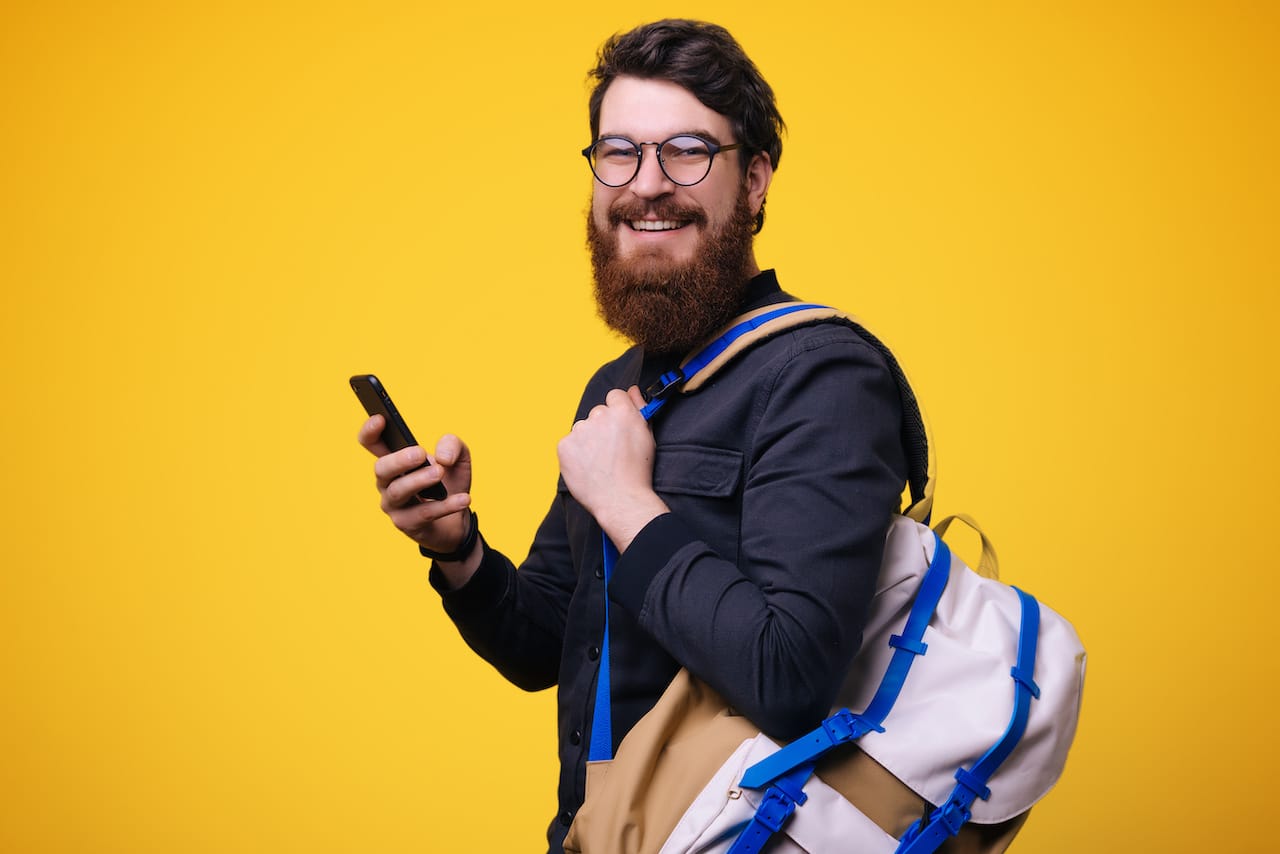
point(483, 590)
point(650, 551)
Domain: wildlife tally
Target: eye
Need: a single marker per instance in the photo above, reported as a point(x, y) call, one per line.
point(685, 148)
point(615, 150)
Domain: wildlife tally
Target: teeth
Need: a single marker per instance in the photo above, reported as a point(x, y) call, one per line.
point(656, 225)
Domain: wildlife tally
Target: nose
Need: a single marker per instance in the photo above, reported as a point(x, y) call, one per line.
point(651, 182)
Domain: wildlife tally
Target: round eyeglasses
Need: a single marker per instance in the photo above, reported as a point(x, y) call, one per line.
point(685, 159)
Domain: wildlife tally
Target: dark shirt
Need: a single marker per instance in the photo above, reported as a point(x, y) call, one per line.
point(782, 473)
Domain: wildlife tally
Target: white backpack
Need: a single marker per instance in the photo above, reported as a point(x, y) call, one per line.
point(963, 700)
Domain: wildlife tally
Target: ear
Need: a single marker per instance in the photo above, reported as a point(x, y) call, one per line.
point(759, 177)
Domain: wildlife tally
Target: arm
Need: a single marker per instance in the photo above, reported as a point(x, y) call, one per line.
point(515, 619)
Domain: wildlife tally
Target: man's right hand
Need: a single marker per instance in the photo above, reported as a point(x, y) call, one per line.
point(440, 526)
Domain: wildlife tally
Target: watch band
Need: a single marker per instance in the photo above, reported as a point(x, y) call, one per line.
point(463, 550)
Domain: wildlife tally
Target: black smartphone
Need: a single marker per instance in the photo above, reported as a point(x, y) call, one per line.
point(396, 433)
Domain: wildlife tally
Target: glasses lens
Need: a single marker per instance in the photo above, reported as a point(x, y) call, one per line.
point(685, 159)
point(615, 160)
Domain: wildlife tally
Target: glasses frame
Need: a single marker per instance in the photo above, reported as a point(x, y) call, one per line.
point(713, 147)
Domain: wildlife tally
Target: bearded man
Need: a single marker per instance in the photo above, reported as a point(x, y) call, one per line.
point(750, 517)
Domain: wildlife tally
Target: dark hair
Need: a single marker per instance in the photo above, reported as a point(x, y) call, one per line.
point(705, 59)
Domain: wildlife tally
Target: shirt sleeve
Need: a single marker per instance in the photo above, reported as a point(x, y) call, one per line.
point(517, 627)
point(775, 630)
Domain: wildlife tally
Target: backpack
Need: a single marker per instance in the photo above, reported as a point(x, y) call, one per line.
point(966, 690)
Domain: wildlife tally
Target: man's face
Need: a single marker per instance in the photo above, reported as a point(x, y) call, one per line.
point(671, 261)
point(652, 111)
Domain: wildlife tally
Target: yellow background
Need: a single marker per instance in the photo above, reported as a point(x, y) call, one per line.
point(1063, 218)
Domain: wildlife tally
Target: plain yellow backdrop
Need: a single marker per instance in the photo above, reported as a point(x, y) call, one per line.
point(1063, 218)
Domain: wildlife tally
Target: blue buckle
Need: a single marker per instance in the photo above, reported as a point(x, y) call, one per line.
point(845, 726)
point(840, 727)
point(666, 384)
point(954, 815)
point(777, 807)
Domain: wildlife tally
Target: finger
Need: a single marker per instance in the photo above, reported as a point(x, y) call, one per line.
point(392, 465)
point(370, 436)
point(404, 490)
point(637, 396)
point(414, 519)
point(617, 397)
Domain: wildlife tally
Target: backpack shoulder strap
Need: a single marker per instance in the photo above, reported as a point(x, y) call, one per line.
point(745, 332)
point(752, 328)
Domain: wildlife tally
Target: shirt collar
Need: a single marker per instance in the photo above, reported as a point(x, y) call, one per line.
point(761, 290)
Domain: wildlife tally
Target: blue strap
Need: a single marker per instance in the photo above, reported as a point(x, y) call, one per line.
point(844, 726)
point(659, 391)
point(718, 346)
point(671, 380)
point(946, 820)
point(602, 716)
point(779, 802)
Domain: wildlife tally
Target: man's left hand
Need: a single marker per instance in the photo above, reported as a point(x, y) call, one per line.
point(607, 463)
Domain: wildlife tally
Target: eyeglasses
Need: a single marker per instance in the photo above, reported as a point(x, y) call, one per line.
point(685, 159)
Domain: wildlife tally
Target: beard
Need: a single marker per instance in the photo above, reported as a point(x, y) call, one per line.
point(663, 305)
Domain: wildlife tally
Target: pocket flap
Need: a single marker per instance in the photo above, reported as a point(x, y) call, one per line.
point(697, 470)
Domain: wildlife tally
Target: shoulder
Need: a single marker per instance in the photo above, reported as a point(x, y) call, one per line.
point(832, 342)
point(831, 372)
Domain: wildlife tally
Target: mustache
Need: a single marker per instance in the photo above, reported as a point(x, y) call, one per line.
point(626, 211)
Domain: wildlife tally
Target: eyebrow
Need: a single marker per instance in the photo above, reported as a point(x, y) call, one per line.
point(702, 132)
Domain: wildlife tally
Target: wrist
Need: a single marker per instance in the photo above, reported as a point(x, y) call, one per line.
point(626, 520)
point(468, 545)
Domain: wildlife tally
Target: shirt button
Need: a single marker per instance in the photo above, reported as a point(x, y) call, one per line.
point(575, 737)
point(566, 818)
point(599, 572)
point(593, 653)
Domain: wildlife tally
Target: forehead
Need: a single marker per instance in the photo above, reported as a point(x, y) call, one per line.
point(652, 110)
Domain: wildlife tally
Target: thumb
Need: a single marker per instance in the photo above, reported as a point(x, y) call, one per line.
point(451, 450)
point(636, 396)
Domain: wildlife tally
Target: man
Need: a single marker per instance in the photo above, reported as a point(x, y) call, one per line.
point(750, 517)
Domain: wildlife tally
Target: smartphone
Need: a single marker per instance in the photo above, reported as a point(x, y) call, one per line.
point(396, 433)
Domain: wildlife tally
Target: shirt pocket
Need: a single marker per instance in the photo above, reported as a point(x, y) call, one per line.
point(697, 470)
point(701, 485)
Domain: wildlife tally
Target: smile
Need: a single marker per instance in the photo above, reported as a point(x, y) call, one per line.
point(656, 225)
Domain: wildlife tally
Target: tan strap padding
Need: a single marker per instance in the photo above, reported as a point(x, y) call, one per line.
point(748, 339)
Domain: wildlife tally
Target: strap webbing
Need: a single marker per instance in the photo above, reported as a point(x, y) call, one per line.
point(946, 820)
point(718, 346)
point(602, 719)
point(673, 380)
point(780, 801)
